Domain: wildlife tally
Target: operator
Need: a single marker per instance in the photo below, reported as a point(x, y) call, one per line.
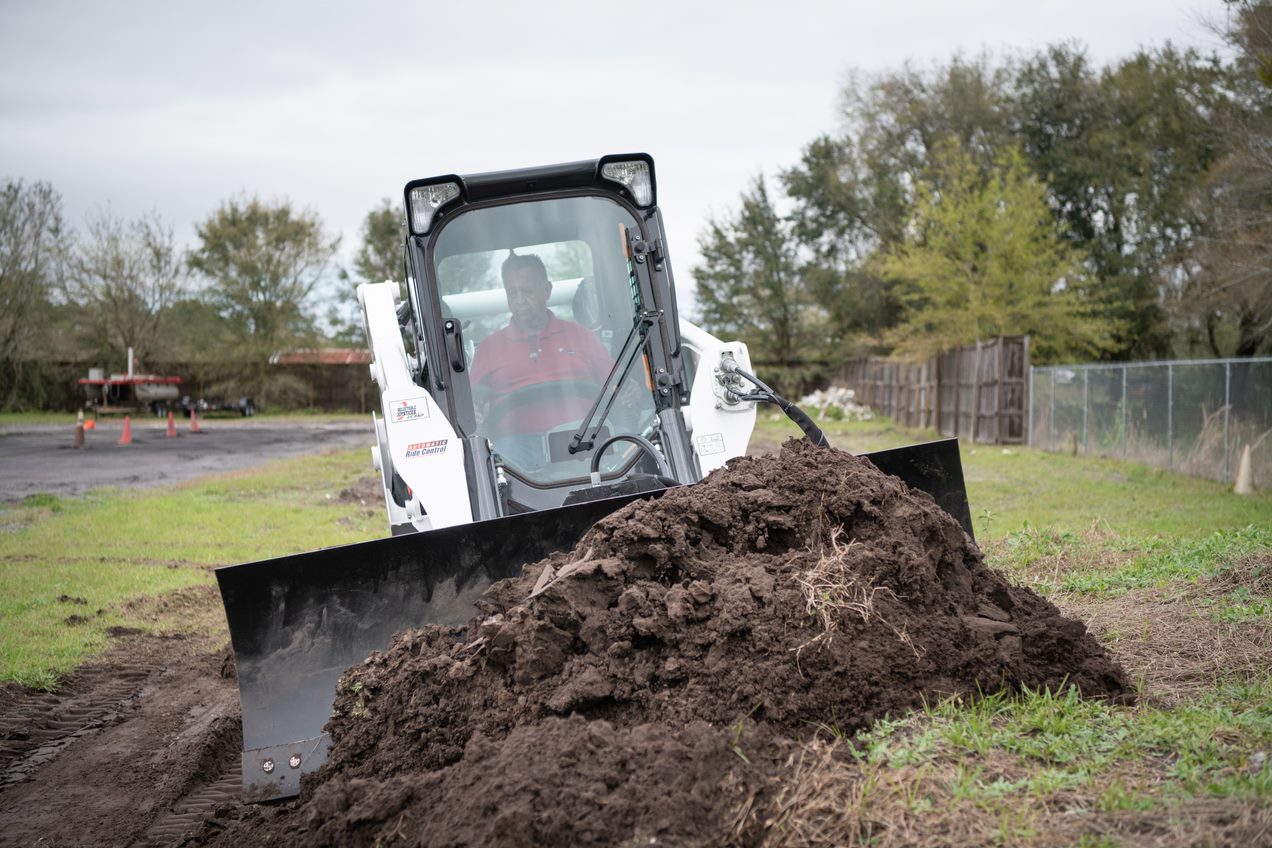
point(536, 349)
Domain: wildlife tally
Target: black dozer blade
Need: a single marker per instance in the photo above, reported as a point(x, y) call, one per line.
point(298, 622)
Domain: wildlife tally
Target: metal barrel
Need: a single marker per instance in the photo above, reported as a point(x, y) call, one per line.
point(298, 622)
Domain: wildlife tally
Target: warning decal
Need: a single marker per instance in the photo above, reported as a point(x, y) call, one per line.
point(710, 443)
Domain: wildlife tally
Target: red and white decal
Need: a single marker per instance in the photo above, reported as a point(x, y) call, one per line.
point(426, 448)
point(410, 409)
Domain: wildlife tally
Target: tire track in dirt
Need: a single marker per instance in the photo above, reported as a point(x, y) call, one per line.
point(37, 726)
point(188, 812)
point(136, 750)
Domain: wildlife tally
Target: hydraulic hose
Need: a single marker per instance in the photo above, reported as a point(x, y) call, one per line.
point(664, 470)
point(767, 395)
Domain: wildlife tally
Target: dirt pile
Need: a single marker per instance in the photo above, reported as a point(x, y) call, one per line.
point(653, 683)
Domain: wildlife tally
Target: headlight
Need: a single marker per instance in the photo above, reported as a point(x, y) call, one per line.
point(635, 175)
point(426, 200)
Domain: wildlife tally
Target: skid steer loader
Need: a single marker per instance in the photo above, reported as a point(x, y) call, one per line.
point(535, 377)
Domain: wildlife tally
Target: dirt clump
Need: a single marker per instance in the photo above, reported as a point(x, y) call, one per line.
point(652, 684)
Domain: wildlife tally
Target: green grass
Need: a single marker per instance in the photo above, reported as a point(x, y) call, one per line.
point(1164, 562)
point(1014, 489)
point(111, 546)
point(12, 419)
point(1110, 564)
point(1003, 751)
point(1240, 606)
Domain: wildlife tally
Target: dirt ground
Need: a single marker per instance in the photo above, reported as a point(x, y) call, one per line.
point(43, 459)
point(656, 685)
point(133, 749)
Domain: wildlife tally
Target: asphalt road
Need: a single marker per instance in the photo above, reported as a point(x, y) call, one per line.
point(42, 458)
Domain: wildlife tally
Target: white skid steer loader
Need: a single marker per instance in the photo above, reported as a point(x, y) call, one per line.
point(535, 378)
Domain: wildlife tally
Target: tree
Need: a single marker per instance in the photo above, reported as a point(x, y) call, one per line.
point(981, 259)
point(123, 276)
point(834, 227)
point(262, 262)
point(31, 232)
point(379, 258)
point(383, 236)
point(1121, 151)
point(1224, 305)
point(1124, 151)
point(750, 285)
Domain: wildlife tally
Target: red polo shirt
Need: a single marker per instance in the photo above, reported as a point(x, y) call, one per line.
point(511, 359)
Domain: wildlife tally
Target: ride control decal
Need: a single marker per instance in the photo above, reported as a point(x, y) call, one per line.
point(710, 443)
point(410, 409)
point(426, 448)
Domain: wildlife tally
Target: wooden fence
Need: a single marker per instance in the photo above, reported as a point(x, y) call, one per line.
point(978, 393)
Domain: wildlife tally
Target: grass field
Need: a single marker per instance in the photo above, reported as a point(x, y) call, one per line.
point(1174, 575)
point(67, 567)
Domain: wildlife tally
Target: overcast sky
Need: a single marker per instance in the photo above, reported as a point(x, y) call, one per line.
point(175, 106)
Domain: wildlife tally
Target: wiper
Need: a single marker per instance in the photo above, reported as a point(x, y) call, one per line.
point(584, 438)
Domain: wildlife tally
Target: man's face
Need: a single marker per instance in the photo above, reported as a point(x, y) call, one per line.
point(527, 293)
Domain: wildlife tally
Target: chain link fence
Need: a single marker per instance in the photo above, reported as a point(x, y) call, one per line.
point(1194, 417)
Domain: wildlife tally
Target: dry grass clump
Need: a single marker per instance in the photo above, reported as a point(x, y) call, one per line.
point(1197, 823)
point(820, 802)
point(1041, 559)
point(834, 591)
point(1252, 573)
point(1169, 639)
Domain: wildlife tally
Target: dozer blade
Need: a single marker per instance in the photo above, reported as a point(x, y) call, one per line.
point(298, 622)
point(932, 467)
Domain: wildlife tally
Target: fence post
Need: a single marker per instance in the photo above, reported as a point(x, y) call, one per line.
point(1029, 404)
point(923, 395)
point(1051, 419)
point(1124, 433)
point(940, 404)
point(1000, 426)
point(976, 393)
point(1170, 416)
point(1227, 403)
point(1086, 405)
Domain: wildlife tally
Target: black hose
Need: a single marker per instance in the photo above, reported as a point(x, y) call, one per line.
point(793, 412)
point(664, 470)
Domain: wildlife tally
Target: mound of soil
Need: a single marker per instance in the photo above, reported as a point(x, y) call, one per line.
point(651, 684)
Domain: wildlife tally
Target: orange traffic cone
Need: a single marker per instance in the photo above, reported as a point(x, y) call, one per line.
point(172, 425)
point(194, 422)
point(79, 429)
point(126, 438)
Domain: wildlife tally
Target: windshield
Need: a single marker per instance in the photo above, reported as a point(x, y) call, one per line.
point(542, 290)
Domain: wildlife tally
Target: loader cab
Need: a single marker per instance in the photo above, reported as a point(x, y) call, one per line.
point(545, 315)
